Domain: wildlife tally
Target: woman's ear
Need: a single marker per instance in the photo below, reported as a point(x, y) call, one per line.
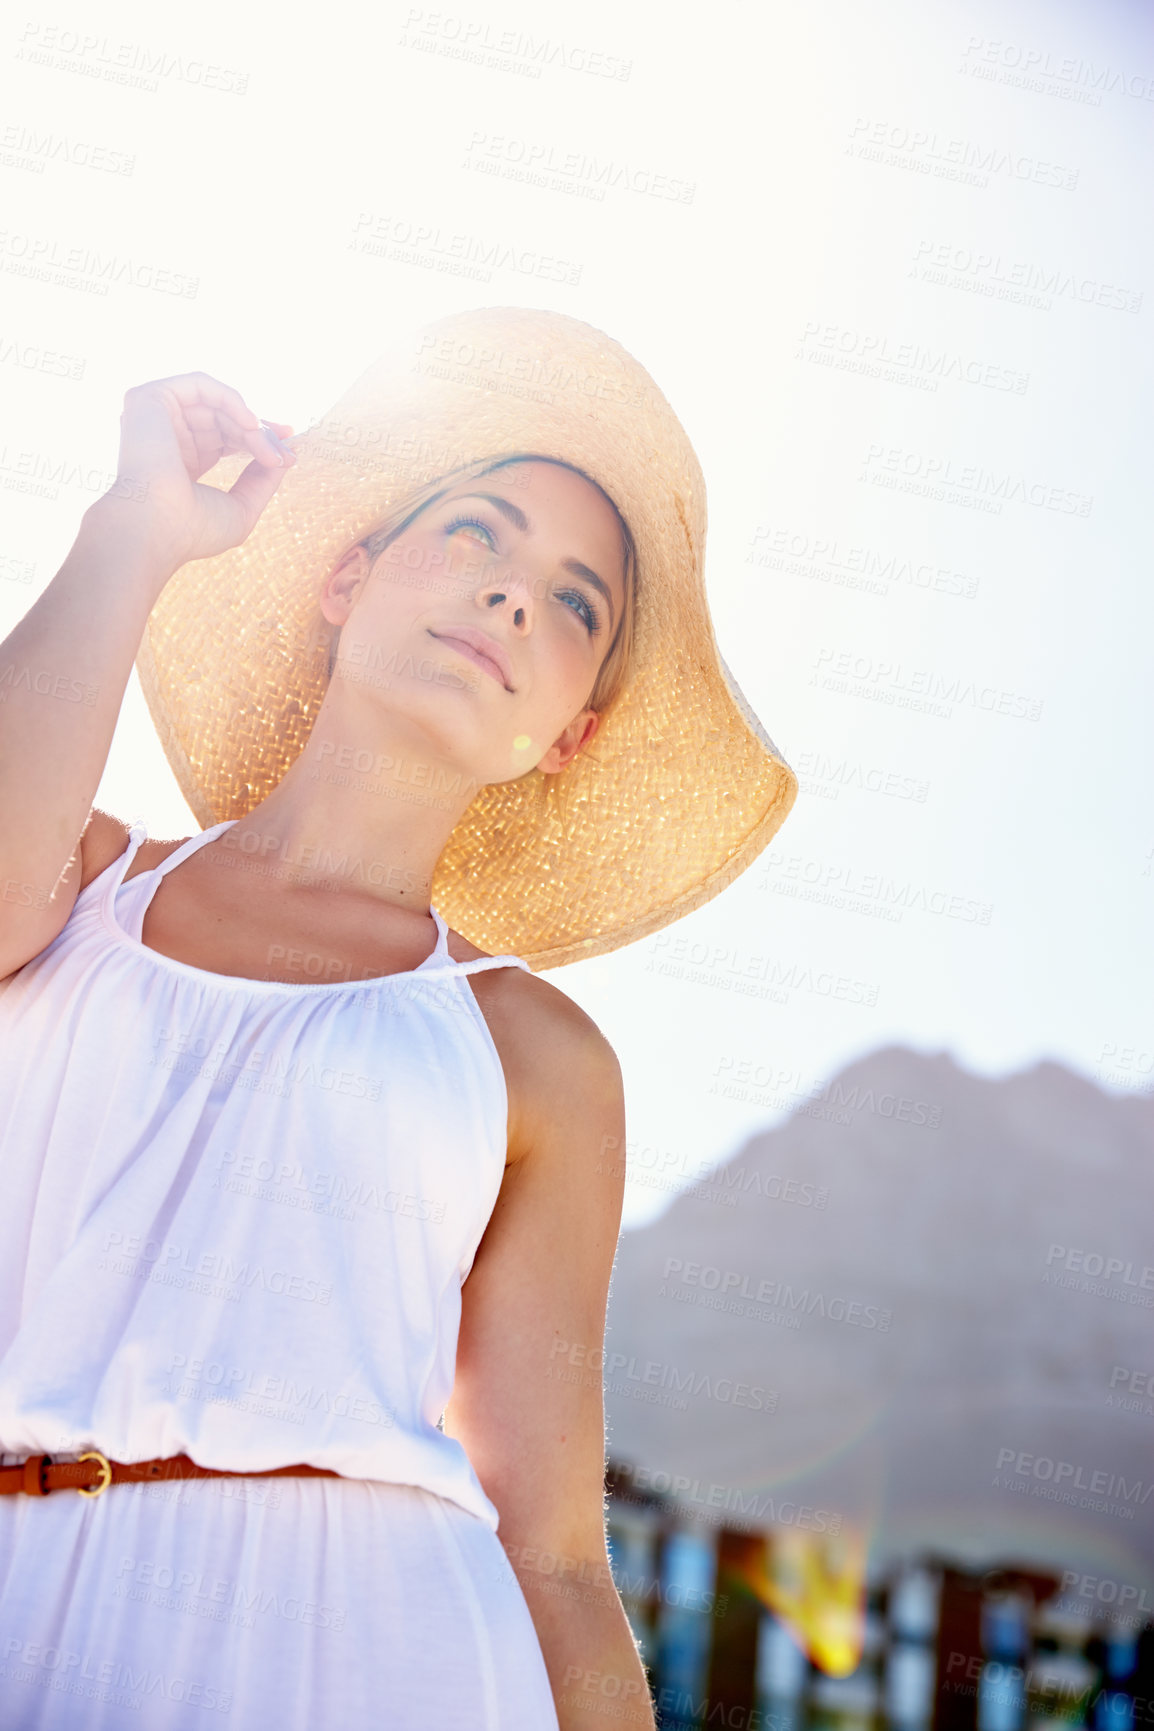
point(343, 584)
point(568, 743)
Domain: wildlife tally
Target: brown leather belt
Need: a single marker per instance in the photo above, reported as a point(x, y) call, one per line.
point(92, 1474)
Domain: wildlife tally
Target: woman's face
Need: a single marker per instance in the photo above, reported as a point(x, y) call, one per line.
point(529, 555)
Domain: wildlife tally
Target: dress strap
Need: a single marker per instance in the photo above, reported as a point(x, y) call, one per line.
point(190, 846)
point(133, 922)
point(441, 958)
point(113, 875)
point(479, 962)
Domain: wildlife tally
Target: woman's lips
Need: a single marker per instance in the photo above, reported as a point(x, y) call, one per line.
point(475, 655)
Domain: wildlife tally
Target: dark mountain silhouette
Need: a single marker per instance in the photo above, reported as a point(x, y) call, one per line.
point(948, 1282)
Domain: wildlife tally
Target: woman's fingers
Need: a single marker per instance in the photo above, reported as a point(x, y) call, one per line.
point(200, 389)
point(218, 434)
point(216, 417)
point(172, 432)
point(252, 490)
point(154, 433)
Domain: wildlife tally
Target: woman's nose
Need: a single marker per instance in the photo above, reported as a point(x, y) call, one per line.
point(511, 588)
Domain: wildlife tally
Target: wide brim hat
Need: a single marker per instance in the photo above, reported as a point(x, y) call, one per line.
point(681, 787)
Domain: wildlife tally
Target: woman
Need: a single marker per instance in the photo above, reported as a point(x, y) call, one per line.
point(290, 1162)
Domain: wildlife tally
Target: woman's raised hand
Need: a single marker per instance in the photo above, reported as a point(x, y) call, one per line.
point(172, 432)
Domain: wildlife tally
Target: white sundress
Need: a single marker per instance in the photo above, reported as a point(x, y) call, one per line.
point(237, 1216)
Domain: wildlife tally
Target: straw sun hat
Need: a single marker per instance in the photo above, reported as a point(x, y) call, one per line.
point(681, 787)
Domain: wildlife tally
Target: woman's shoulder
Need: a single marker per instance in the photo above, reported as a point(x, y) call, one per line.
point(538, 996)
point(105, 837)
point(540, 1032)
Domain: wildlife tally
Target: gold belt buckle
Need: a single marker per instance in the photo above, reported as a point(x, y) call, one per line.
point(105, 1474)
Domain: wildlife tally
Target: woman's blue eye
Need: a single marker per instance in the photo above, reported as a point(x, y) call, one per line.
point(590, 614)
point(471, 523)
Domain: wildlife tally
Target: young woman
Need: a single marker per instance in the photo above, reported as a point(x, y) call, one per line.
point(312, 1203)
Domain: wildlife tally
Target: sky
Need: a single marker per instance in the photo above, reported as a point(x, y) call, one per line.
point(891, 268)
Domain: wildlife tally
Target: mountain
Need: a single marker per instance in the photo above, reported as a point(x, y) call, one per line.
point(947, 1282)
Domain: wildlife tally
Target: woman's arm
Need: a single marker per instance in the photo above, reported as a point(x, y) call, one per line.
point(63, 673)
point(527, 1404)
point(64, 668)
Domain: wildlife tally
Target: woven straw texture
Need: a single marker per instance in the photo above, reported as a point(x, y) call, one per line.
point(680, 789)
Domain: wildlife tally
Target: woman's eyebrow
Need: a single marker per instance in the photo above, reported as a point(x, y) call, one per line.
point(506, 506)
point(519, 520)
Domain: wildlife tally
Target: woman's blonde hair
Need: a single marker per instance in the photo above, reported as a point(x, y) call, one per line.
point(610, 679)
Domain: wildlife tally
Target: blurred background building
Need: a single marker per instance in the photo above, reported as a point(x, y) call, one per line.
point(878, 1394)
point(939, 1648)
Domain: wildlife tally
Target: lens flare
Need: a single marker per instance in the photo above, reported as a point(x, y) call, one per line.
point(816, 1584)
